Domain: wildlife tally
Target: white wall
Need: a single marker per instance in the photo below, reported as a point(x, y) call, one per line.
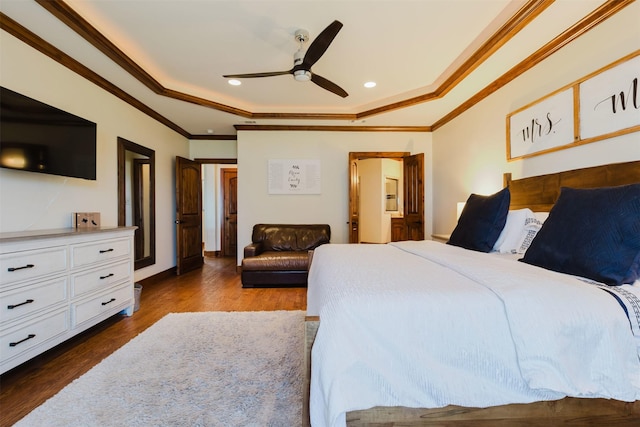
point(31, 201)
point(210, 205)
point(372, 222)
point(213, 149)
point(470, 151)
point(331, 207)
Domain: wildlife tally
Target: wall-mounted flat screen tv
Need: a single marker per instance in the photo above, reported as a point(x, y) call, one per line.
point(37, 137)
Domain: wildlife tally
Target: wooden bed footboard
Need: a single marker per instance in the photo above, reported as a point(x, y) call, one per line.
point(567, 411)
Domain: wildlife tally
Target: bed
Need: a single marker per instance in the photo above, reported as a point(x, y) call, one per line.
point(479, 338)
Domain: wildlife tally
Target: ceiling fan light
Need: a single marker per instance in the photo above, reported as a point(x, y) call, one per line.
point(234, 82)
point(302, 75)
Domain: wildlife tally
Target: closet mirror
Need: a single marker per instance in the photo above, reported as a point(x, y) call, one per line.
point(136, 198)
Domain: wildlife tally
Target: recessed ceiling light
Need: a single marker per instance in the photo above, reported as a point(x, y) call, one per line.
point(370, 84)
point(234, 82)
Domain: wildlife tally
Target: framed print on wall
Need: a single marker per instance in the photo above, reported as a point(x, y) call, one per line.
point(601, 105)
point(543, 126)
point(294, 176)
point(610, 100)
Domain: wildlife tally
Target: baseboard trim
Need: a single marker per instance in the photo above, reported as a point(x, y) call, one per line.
point(158, 277)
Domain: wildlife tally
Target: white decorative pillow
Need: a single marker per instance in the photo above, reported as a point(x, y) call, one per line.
point(541, 216)
point(531, 227)
point(512, 233)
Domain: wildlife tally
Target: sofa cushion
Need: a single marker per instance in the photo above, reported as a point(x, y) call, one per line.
point(291, 237)
point(277, 260)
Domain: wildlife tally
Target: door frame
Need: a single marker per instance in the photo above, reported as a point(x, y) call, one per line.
point(354, 217)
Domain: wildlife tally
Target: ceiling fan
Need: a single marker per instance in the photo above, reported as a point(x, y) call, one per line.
point(304, 60)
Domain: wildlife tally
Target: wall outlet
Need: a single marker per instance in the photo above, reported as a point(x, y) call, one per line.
point(86, 219)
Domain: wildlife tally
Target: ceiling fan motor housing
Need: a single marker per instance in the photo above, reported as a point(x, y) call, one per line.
point(300, 75)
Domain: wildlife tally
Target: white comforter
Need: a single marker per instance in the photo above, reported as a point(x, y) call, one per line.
point(422, 324)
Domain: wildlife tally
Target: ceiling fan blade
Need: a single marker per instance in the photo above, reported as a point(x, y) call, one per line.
point(319, 45)
point(252, 75)
point(328, 85)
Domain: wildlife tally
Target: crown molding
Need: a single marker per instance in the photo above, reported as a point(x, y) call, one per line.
point(21, 33)
point(589, 22)
point(82, 27)
point(335, 128)
point(523, 17)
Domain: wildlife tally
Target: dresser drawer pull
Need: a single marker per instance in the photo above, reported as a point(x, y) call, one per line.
point(109, 302)
point(13, 344)
point(12, 306)
point(107, 276)
point(103, 251)
point(20, 268)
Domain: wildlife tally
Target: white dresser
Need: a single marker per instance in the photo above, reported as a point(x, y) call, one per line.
point(56, 283)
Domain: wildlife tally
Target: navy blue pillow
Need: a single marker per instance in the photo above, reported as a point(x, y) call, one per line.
point(593, 233)
point(481, 221)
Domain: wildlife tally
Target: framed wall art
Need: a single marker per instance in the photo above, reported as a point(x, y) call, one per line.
point(610, 100)
point(294, 176)
point(601, 105)
point(542, 126)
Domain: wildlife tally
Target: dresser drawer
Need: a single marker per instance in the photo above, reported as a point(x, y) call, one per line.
point(29, 299)
point(19, 266)
point(100, 278)
point(84, 310)
point(104, 250)
point(28, 335)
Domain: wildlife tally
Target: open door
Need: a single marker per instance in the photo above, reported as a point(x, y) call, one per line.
point(413, 172)
point(188, 215)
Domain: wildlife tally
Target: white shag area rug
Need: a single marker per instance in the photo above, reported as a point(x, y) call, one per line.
point(192, 369)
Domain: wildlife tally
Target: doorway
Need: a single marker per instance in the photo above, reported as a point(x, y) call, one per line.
point(219, 230)
point(229, 235)
point(380, 201)
point(409, 225)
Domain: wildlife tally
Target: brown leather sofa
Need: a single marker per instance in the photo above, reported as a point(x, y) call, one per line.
point(280, 254)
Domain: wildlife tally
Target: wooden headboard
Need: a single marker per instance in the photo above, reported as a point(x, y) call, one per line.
point(539, 193)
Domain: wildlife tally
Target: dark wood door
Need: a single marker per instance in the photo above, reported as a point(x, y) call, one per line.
point(188, 215)
point(413, 173)
point(230, 216)
point(398, 230)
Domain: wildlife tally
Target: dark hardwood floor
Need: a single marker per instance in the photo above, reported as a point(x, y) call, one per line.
point(215, 287)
